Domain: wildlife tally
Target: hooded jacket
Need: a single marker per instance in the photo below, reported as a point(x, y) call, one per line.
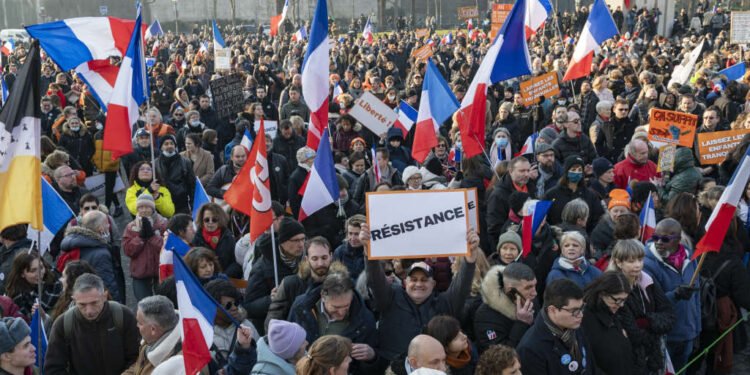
point(151, 359)
point(269, 363)
point(686, 176)
point(258, 298)
point(579, 145)
point(495, 321)
point(95, 250)
point(79, 145)
point(583, 277)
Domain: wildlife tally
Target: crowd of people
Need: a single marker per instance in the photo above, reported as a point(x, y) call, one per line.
point(592, 296)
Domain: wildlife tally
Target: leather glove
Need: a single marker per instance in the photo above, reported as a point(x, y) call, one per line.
point(684, 292)
point(147, 230)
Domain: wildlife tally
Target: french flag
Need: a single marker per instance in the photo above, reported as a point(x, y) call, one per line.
point(469, 25)
point(300, 34)
point(648, 220)
point(247, 140)
point(375, 166)
point(174, 244)
point(436, 105)
point(447, 39)
point(154, 30)
point(8, 47)
point(200, 197)
point(507, 57)
point(203, 48)
point(430, 42)
point(283, 14)
point(337, 90)
point(322, 186)
point(155, 48)
point(100, 77)
point(131, 90)
point(537, 12)
point(535, 212)
point(735, 72)
point(721, 217)
point(407, 116)
point(315, 70)
point(197, 313)
point(598, 28)
point(367, 32)
point(218, 39)
point(55, 215)
point(455, 154)
point(528, 146)
point(37, 333)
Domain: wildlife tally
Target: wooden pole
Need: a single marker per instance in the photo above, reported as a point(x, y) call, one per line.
point(697, 269)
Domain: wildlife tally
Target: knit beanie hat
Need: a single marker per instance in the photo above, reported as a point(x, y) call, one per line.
point(601, 166)
point(542, 148)
point(145, 199)
point(289, 228)
point(572, 161)
point(12, 332)
point(409, 172)
point(285, 338)
point(500, 130)
point(168, 137)
point(548, 135)
point(509, 236)
point(619, 197)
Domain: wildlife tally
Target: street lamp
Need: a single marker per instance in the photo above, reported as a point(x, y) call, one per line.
point(176, 15)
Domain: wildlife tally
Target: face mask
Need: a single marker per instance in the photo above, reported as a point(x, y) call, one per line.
point(458, 145)
point(501, 142)
point(391, 97)
point(195, 123)
point(561, 102)
point(99, 126)
point(575, 177)
point(75, 128)
point(169, 154)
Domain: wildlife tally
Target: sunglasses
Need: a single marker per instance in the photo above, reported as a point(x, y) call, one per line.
point(228, 305)
point(210, 220)
point(665, 239)
point(179, 114)
point(389, 272)
point(88, 208)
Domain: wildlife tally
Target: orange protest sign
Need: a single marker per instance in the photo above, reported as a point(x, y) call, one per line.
point(544, 85)
point(421, 33)
point(499, 13)
point(670, 127)
point(423, 52)
point(713, 147)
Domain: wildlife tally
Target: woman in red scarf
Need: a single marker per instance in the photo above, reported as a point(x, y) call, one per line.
point(213, 233)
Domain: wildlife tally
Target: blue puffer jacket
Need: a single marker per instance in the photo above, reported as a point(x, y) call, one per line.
point(269, 363)
point(94, 250)
point(687, 326)
point(352, 257)
point(582, 279)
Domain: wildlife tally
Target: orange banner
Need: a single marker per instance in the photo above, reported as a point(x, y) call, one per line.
point(713, 147)
point(421, 33)
point(670, 127)
point(544, 85)
point(423, 52)
point(499, 13)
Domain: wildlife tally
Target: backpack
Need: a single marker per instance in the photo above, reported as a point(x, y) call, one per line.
point(68, 317)
point(709, 310)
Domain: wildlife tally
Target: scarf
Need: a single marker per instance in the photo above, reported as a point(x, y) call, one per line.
point(579, 264)
point(567, 336)
point(460, 361)
point(677, 259)
point(211, 238)
point(289, 261)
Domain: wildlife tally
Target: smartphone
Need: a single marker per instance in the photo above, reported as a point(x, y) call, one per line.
point(512, 294)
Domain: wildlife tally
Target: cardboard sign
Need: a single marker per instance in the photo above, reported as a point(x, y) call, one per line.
point(271, 127)
point(373, 113)
point(464, 13)
point(227, 95)
point(421, 33)
point(670, 127)
point(544, 85)
point(95, 185)
point(422, 53)
point(222, 58)
point(473, 204)
point(428, 223)
point(739, 27)
point(499, 13)
point(713, 147)
point(666, 158)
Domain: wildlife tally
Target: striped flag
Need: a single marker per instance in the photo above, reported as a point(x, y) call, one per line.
point(534, 212)
point(174, 244)
point(598, 28)
point(200, 197)
point(37, 333)
point(315, 71)
point(648, 220)
point(56, 214)
point(375, 167)
point(436, 106)
point(407, 116)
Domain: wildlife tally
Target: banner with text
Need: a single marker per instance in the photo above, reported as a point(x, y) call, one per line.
point(423, 52)
point(464, 13)
point(373, 113)
point(713, 147)
point(431, 223)
point(222, 58)
point(95, 185)
point(544, 85)
point(499, 13)
point(227, 95)
point(471, 199)
point(670, 127)
point(271, 127)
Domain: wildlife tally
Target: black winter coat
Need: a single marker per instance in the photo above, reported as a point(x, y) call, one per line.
point(176, 173)
point(289, 289)
point(613, 353)
point(80, 146)
point(581, 146)
point(352, 258)
point(261, 280)
point(541, 353)
point(560, 195)
point(224, 251)
point(498, 206)
point(288, 147)
point(495, 320)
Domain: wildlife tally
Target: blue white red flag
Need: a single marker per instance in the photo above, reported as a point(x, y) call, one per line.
point(218, 39)
point(375, 167)
point(301, 34)
point(534, 213)
point(407, 116)
point(367, 32)
point(436, 105)
point(648, 220)
point(174, 244)
point(322, 186)
point(200, 197)
point(315, 71)
point(598, 28)
point(537, 12)
point(154, 30)
point(447, 39)
point(247, 140)
point(528, 146)
point(735, 72)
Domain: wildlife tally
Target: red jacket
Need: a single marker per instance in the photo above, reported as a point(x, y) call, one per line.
point(629, 170)
point(144, 254)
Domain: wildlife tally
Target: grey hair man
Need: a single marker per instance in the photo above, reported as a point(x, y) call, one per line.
point(157, 320)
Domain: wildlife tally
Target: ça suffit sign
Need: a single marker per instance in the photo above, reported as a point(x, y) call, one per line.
point(670, 127)
point(430, 223)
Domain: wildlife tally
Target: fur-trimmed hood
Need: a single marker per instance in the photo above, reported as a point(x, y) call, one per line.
point(493, 296)
point(80, 237)
point(66, 130)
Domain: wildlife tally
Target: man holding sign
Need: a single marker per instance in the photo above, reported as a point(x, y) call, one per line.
point(404, 311)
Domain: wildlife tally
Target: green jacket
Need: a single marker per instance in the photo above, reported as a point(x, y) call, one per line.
point(685, 177)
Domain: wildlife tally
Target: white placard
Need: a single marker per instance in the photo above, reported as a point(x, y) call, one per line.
point(271, 127)
point(431, 223)
point(95, 185)
point(373, 113)
point(471, 199)
point(222, 58)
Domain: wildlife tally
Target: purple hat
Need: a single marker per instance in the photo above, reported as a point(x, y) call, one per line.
point(285, 338)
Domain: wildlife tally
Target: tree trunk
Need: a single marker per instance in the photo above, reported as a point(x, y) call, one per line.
point(381, 14)
point(233, 5)
point(214, 10)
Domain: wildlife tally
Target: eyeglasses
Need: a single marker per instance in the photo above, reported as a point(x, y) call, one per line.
point(298, 240)
point(145, 169)
point(665, 239)
point(179, 114)
point(618, 301)
point(210, 220)
point(228, 305)
point(575, 312)
point(389, 272)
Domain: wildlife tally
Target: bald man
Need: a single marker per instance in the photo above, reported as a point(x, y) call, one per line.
point(636, 166)
point(668, 263)
point(425, 352)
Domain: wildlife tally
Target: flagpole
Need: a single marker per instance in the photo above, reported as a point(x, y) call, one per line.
point(275, 265)
point(698, 269)
point(39, 295)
